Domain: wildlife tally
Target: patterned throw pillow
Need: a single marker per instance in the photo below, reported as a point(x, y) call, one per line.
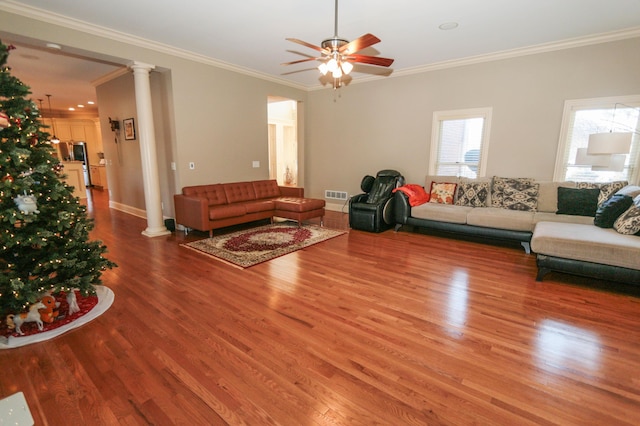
point(472, 194)
point(442, 192)
point(498, 185)
point(629, 222)
point(521, 196)
point(606, 189)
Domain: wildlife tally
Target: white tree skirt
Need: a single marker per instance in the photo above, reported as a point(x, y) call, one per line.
point(105, 299)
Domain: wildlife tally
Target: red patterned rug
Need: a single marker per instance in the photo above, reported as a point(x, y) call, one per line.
point(253, 246)
point(90, 307)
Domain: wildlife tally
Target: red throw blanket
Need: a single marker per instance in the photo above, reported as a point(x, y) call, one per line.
point(417, 195)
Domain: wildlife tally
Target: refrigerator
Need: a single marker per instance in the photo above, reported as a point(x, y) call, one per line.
point(79, 153)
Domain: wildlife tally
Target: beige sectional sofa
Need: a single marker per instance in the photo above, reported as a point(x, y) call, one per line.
point(562, 242)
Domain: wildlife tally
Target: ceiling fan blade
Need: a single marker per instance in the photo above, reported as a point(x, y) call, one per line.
point(309, 45)
point(359, 44)
point(373, 60)
point(301, 60)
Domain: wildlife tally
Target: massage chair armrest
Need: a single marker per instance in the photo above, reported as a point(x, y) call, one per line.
point(192, 212)
point(360, 198)
point(402, 208)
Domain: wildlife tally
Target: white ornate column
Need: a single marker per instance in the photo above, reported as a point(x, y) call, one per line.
point(147, 138)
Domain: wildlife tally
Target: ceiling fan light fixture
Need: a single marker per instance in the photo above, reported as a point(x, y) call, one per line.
point(332, 65)
point(347, 67)
point(337, 73)
point(323, 68)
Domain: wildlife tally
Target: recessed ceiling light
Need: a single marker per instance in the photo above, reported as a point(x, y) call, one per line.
point(54, 46)
point(90, 102)
point(72, 109)
point(80, 106)
point(448, 26)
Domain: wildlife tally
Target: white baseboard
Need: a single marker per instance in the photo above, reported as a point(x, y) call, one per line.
point(128, 209)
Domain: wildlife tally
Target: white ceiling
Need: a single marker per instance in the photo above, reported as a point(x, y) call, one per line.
point(250, 34)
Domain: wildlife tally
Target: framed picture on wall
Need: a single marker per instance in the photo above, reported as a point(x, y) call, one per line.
point(129, 129)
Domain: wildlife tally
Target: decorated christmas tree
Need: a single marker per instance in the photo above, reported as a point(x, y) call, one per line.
point(44, 229)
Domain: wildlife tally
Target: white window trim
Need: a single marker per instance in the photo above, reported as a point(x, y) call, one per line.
point(460, 114)
point(573, 104)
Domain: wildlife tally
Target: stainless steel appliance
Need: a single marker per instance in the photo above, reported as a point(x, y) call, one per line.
point(79, 153)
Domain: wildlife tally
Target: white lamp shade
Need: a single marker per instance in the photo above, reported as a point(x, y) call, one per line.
point(347, 67)
point(323, 68)
point(609, 143)
point(584, 159)
point(616, 163)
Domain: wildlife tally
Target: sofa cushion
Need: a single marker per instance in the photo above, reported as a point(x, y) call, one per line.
point(631, 190)
point(548, 195)
point(298, 205)
point(226, 211)
point(495, 217)
point(498, 184)
point(266, 188)
point(239, 191)
point(521, 196)
point(578, 201)
point(611, 209)
point(563, 218)
point(629, 221)
point(213, 193)
point(441, 212)
point(473, 194)
point(587, 243)
point(442, 192)
point(259, 206)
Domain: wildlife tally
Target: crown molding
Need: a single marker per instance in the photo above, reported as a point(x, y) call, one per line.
point(31, 12)
point(17, 8)
point(507, 54)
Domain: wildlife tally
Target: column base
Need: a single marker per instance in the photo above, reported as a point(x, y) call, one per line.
point(156, 232)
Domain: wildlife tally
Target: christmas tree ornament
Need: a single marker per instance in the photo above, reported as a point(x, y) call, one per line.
point(27, 204)
point(7, 178)
point(4, 120)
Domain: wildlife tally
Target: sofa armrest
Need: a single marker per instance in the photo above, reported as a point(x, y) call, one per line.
point(291, 191)
point(402, 208)
point(192, 212)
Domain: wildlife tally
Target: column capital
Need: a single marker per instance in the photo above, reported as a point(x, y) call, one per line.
point(135, 65)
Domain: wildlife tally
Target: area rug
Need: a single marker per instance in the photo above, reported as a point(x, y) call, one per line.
point(91, 307)
point(256, 245)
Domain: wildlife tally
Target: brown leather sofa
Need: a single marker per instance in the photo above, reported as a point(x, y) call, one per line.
point(209, 207)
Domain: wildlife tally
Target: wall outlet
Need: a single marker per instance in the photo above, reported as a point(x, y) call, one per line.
point(256, 164)
point(173, 165)
point(192, 165)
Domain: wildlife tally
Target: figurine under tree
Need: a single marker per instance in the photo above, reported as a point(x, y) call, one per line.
point(44, 230)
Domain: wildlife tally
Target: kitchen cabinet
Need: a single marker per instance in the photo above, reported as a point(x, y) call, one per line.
point(99, 176)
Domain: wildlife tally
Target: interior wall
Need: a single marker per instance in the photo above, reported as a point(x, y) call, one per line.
point(387, 123)
point(214, 117)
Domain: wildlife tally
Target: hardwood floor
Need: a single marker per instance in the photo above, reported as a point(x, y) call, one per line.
point(393, 328)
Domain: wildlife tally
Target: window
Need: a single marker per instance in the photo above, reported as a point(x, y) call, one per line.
point(460, 142)
point(583, 117)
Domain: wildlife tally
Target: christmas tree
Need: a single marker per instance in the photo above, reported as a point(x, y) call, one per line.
point(44, 230)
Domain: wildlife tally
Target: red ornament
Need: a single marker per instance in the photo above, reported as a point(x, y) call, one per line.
point(33, 141)
point(7, 178)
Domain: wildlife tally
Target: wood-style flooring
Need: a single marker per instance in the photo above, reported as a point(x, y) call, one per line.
point(399, 328)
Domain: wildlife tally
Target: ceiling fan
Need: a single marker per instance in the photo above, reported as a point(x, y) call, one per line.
point(339, 55)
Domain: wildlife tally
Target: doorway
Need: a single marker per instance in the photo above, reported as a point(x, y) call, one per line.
point(283, 140)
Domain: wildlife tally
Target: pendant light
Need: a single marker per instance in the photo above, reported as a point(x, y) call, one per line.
point(54, 139)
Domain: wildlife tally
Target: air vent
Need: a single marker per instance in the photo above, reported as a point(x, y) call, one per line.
point(335, 195)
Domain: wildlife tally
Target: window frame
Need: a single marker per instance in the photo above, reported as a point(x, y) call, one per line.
point(572, 105)
point(460, 114)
